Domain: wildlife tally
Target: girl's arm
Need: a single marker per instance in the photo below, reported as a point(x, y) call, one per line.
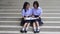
point(40, 12)
point(23, 13)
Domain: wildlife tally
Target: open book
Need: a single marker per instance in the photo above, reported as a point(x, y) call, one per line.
point(30, 18)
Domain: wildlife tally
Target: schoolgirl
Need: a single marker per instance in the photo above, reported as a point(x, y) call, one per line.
point(37, 11)
point(26, 12)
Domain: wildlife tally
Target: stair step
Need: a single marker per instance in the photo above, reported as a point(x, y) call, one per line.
point(9, 1)
point(10, 26)
point(17, 28)
point(19, 21)
point(43, 6)
point(30, 29)
point(18, 18)
point(44, 10)
point(18, 11)
point(29, 32)
point(51, 11)
point(20, 6)
point(9, 12)
point(43, 14)
point(9, 9)
point(45, 24)
point(8, 4)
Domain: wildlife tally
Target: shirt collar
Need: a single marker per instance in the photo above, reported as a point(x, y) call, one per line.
point(27, 9)
point(37, 8)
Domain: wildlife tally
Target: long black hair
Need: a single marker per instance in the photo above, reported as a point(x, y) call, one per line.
point(36, 2)
point(25, 4)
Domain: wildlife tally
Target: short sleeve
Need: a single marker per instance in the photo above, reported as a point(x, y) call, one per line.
point(40, 11)
point(23, 12)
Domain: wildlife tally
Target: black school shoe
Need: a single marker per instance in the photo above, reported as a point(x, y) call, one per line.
point(23, 31)
point(36, 31)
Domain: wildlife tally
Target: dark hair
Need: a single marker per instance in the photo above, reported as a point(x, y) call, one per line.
point(36, 2)
point(25, 4)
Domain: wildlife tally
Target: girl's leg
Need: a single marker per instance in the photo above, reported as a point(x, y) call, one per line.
point(24, 27)
point(37, 25)
point(34, 26)
point(27, 26)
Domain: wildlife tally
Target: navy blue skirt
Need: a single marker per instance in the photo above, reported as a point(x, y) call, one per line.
point(31, 21)
point(24, 21)
point(39, 20)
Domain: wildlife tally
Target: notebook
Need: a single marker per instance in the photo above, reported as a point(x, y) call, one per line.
point(30, 18)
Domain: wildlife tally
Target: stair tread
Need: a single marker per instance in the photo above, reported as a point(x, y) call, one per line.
point(10, 26)
point(45, 32)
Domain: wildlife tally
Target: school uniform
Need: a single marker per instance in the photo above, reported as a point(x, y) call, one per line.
point(27, 13)
point(36, 13)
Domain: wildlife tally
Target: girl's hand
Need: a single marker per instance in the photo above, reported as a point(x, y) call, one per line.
point(33, 16)
point(37, 17)
point(26, 17)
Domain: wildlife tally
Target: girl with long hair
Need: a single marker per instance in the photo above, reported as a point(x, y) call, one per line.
point(26, 12)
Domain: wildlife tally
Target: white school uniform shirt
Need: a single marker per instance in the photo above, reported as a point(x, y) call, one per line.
point(37, 11)
point(27, 13)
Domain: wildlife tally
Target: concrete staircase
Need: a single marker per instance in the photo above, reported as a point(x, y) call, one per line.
point(10, 14)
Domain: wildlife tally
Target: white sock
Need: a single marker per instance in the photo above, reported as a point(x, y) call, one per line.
point(26, 28)
point(34, 28)
point(38, 28)
point(23, 29)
